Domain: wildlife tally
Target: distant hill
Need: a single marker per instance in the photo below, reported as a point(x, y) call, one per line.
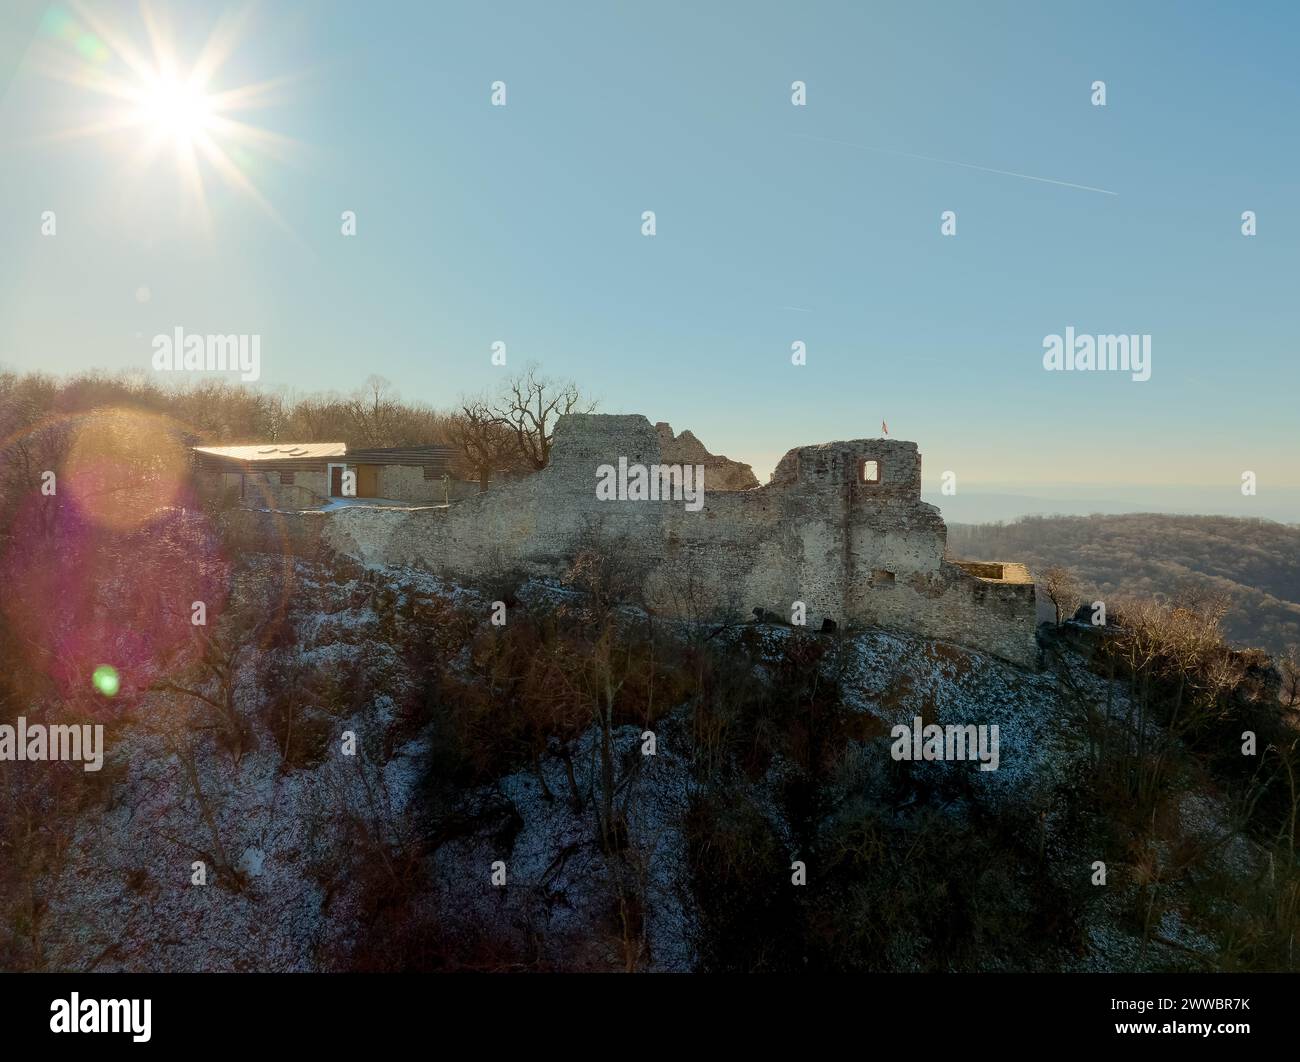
point(986, 504)
point(1255, 562)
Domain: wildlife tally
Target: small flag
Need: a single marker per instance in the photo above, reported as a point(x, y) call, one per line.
point(884, 428)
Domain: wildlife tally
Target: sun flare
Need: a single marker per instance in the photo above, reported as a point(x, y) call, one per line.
point(176, 109)
point(153, 102)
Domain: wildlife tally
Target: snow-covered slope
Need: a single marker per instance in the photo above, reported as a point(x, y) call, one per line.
point(385, 858)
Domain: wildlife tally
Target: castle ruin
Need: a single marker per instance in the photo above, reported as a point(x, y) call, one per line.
point(841, 528)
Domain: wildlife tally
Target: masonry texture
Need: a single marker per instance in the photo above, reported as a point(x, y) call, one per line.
point(720, 473)
point(841, 528)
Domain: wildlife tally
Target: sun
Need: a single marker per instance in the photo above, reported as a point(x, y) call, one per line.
point(176, 109)
point(154, 102)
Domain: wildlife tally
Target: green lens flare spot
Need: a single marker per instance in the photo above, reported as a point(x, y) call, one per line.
point(106, 680)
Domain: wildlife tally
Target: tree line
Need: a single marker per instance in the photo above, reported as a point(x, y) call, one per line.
point(508, 431)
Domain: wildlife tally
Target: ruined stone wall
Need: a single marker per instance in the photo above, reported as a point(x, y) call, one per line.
point(535, 524)
point(286, 534)
point(720, 473)
point(1000, 618)
point(854, 550)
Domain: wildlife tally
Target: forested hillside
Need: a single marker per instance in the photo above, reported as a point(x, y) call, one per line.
point(1256, 563)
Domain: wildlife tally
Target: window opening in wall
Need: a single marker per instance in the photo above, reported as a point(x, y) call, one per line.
point(882, 578)
point(870, 471)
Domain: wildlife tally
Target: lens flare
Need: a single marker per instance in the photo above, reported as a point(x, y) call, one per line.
point(125, 466)
point(106, 680)
point(108, 563)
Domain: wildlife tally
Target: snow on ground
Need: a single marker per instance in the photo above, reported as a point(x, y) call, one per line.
point(126, 900)
point(559, 882)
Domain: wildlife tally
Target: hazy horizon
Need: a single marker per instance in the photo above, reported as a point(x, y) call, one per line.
point(978, 504)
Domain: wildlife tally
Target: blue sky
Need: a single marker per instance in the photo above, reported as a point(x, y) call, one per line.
point(775, 223)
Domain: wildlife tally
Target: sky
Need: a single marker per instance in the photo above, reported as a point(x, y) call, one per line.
point(774, 223)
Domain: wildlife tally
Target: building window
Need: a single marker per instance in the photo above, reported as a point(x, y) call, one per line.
point(882, 579)
point(286, 479)
point(869, 471)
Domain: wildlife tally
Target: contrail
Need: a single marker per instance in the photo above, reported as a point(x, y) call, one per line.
point(951, 162)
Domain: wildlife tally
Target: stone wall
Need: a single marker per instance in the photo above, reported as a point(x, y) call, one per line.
point(287, 534)
point(720, 473)
point(855, 550)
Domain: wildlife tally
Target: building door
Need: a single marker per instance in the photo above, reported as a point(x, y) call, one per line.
point(367, 481)
point(336, 481)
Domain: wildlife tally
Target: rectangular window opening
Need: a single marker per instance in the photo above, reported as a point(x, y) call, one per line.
point(869, 471)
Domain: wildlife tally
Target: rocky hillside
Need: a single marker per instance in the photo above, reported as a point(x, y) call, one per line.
point(647, 793)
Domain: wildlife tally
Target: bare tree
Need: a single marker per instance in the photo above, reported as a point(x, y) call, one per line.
point(1063, 589)
point(1289, 663)
point(24, 459)
point(607, 656)
point(212, 678)
point(373, 412)
point(316, 418)
point(530, 405)
point(486, 442)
